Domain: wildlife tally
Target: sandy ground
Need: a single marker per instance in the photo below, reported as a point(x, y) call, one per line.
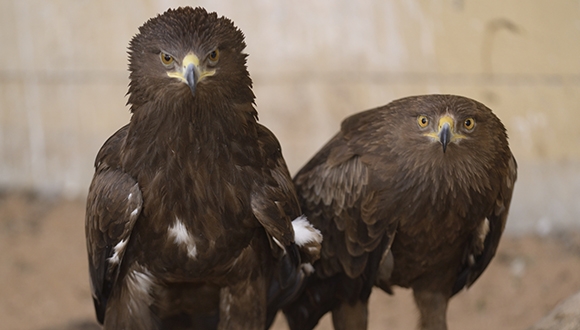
point(44, 281)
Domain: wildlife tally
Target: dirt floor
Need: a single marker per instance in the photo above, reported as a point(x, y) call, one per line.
point(44, 281)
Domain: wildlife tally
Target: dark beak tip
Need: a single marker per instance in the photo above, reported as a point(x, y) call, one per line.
point(445, 137)
point(191, 78)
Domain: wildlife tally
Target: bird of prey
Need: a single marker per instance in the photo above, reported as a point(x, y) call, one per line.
point(192, 220)
point(413, 194)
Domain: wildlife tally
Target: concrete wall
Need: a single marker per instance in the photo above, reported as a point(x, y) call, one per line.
point(63, 80)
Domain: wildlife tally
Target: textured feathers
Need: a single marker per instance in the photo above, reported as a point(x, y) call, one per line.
point(396, 209)
point(189, 214)
point(113, 205)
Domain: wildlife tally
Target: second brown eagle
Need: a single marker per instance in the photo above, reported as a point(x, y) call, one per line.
point(414, 194)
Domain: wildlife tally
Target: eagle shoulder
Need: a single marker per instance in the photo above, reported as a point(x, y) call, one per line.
point(273, 199)
point(114, 203)
point(489, 234)
point(332, 186)
point(294, 241)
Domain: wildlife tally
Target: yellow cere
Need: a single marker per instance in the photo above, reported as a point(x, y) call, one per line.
point(451, 122)
point(190, 59)
point(187, 60)
point(446, 120)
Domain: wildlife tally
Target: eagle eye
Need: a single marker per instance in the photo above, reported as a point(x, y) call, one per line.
point(214, 56)
point(166, 58)
point(469, 123)
point(423, 121)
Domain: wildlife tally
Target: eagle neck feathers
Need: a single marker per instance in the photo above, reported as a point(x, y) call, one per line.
point(192, 149)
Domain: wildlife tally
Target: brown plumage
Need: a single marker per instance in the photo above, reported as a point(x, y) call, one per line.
point(414, 194)
point(189, 214)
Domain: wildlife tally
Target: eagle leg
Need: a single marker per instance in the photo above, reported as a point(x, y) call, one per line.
point(432, 308)
point(348, 316)
point(130, 305)
point(243, 305)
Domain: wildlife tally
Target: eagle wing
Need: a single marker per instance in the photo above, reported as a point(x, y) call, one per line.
point(273, 198)
point(114, 203)
point(293, 240)
point(479, 257)
point(335, 189)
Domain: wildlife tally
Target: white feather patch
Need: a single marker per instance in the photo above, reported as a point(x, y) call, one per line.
point(181, 236)
point(118, 250)
point(140, 284)
point(479, 240)
point(179, 232)
point(483, 230)
point(304, 232)
point(307, 268)
point(142, 281)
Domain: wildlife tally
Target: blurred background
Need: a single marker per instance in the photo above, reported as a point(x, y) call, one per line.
point(63, 80)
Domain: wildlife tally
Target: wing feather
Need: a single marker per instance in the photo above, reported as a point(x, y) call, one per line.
point(114, 203)
point(275, 206)
point(333, 190)
point(273, 198)
point(497, 221)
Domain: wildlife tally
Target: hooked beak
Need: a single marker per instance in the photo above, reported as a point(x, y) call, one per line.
point(190, 72)
point(445, 131)
point(445, 135)
point(190, 75)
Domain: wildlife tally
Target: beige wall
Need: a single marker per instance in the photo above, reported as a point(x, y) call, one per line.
point(63, 79)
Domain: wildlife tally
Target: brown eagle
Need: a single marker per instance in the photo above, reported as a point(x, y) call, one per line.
point(415, 194)
point(189, 214)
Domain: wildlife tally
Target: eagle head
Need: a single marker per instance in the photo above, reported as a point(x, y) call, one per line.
point(445, 128)
point(458, 122)
point(443, 136)
point(188, 54)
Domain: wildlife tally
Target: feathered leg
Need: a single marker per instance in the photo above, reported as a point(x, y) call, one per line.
point(433, 309)
point(243, 305)
point(130, 305)
point(350, 316)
